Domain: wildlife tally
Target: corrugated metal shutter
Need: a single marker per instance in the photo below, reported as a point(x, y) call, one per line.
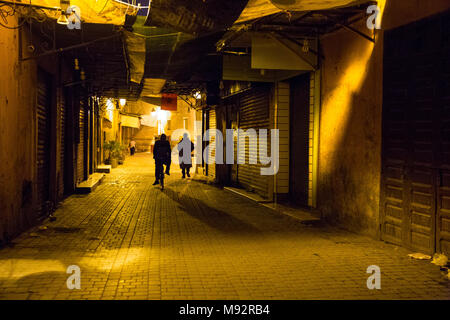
point(43, 145)
point(212, 155)
point(62, 121)
point(81, 144)
point(312, 92)
point(254, 114)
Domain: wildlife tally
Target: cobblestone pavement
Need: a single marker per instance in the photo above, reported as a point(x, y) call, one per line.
point(195, 241)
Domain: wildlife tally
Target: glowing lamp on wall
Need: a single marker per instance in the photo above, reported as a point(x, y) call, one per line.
point(62, 19)
point(110, 109)
point(197, 95)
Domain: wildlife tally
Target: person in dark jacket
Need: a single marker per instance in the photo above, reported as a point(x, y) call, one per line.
point(185, 148)
point(162, 155)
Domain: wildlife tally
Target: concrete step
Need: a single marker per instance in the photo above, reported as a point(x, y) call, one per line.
point(247, 194)
point(103, 168)
point(90, 184)
point(306, 216)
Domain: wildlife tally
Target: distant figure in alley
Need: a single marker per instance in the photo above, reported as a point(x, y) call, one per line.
point(185, 148)
point(132, 147)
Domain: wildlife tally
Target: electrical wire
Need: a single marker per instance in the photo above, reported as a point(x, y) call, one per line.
point(26, 15)
point(4, 14)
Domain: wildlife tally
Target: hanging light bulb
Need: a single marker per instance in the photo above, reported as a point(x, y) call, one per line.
point(197, 95)
point(62, 19)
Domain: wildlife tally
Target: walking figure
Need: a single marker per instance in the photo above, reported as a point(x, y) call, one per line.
point(162, 155)
point(185, 148)
point(132, 146)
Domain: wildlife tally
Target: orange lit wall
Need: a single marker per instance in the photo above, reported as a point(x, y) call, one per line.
point(350, 120)
point(17, 133)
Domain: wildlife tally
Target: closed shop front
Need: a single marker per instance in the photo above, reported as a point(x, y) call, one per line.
point(254, 113)
point(43, 142)
point(211, 171)
point(62, 137)
point(299, 139)
point(415, 187)
point(82, 147)
point(230, 119)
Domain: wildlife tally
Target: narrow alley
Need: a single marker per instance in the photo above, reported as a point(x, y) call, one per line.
point(195, 241)
point(308, 143)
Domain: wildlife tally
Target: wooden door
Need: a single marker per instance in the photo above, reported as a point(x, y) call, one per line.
point(415, 186)
point(299, 139)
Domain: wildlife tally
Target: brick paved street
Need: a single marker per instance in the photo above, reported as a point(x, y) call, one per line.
point(195, 241)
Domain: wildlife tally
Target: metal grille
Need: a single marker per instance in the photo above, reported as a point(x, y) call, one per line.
point(253, 114)
point(62, 121)
point(43, 144)
point(81, 144)
point(212, 155)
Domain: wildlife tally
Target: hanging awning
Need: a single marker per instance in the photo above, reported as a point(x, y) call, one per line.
point(130, 121)
point(136, 55)
point(98, 11)
point(195, 16)
point(106, 123)
point(171, 48)
point(256, 9)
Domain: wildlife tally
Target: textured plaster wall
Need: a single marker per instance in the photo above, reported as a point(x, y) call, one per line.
point(350, 119)
point(17, 136)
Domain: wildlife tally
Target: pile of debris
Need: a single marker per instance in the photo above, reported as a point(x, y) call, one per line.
point(439, 259)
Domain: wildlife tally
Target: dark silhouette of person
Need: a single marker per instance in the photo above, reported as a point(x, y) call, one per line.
point(185, 148)
point(162, 155)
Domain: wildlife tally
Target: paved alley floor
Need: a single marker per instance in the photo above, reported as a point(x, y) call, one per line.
point(196, 241)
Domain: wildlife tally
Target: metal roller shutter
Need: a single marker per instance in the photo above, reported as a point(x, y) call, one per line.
point(254, 114)
point(212, 155)
point(62, 121)
point(81, 144)
point(43, 143)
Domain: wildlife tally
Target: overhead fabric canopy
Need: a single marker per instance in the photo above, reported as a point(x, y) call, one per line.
point(171, 48)
point(174, 56)
point(261, 8)
point(311, 5)
point(130, 121)
point(136, 53)
point(92, 11)
point(194, 16)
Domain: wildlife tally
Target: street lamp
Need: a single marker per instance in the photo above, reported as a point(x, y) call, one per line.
point(62, 19)
point(197, 95)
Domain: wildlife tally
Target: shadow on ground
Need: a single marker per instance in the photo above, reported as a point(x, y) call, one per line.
point(214, 218)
